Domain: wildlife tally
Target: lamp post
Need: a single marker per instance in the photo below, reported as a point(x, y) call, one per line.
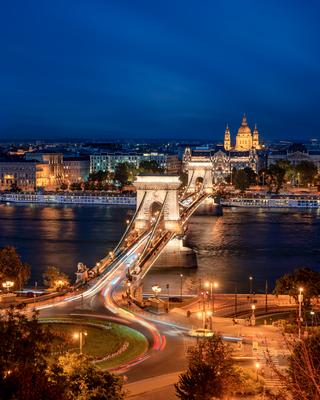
point(8, 285)
point(156, 290)
point(250, 283)
point(300, 300)
point(253, 317)
point(80, 335)
point(181, 276)
point(212, 285)
point(257, 369)
point(312, 317)
point(167, 286)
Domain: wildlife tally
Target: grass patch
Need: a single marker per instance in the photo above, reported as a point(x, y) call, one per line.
point(102, 339)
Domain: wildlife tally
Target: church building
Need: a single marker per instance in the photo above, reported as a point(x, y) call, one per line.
point(245, 153)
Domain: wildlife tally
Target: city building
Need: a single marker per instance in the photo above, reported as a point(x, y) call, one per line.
point(50, 169)
point(21, 174)
point(295, 153)
point(247, 152)
point(76, 169)
point(108, 161)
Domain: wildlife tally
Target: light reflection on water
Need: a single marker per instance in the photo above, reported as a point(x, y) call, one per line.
point(229, 248)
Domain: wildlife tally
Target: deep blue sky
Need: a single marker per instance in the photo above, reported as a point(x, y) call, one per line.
point(90, 68)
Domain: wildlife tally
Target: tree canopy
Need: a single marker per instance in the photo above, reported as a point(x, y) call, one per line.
point(12, 268)
point(26, 374)
point(306, 278)
point(55, 279)
point(211, 373)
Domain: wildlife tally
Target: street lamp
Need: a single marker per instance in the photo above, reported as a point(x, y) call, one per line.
point(257, 369)
point(181, 276)
point(250, 281)
point(59, 284)
point(312, 317)
point(212, 285)
point(253, 318)
point(300, 300)
point(80, 335)
point(156, 290)
point(8, 285)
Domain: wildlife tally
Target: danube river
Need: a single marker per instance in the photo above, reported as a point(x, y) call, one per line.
point(264, 244)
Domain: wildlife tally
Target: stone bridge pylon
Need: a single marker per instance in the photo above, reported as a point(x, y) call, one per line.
point(200, 175)
point(158, 193)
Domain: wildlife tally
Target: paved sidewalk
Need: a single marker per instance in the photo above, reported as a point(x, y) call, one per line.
point(139, 389)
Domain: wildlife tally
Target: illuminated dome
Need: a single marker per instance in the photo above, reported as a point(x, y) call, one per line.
point(244, 129)
point(244, 136)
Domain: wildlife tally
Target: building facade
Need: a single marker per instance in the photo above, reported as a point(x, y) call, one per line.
point(246, 153)
point(76, 169)
point(21, 174)
point(295, 154)
point(109, 161)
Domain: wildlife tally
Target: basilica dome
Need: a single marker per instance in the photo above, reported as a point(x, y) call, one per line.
point(244, 129)
point(244, 136)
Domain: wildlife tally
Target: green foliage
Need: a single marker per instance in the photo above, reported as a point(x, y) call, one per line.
point(241, 180)
point(150, 167)
point(86, 382)
point(26, 374)
point(125, 173)
point(63, 186)
point(55, 279)
point(306, 172)
point(304, 369)
point(306, 278)
point(12, 268)
point(24, 347)
point(210, 374)
point(76, 186)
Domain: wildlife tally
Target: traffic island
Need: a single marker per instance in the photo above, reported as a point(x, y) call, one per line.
point(107, 345)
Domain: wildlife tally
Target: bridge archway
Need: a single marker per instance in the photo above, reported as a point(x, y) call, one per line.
point(200, 171)
point(158, 193)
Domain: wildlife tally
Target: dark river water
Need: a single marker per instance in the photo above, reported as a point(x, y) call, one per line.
point(264, 244)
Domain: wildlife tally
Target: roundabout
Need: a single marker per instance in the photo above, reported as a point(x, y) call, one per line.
point(106, 344)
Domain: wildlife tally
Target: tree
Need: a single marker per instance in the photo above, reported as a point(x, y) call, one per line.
point(12, 268)
point(211, 373)
point(24, 348)
point(252, 176)
point(25, 372)
point(241, 180)
point(150, 167)
point(304, 368)
point(55, 279)
point(63, 186)
point(306, 172)
point(87, 382)
point(306, 278)
point(75, 186)
point(125, 173)
point(301, 380)
point(275, 176)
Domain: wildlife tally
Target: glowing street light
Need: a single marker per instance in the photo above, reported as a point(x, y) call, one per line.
point(80, 335)
point(253, 318)
point(212, 285)
point(181, 277)
point(257, 369)
point(8, 285)
point(156, 290)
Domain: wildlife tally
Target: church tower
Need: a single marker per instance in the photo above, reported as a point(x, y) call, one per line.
point(255, 139)
point(244, 136)
point(227, 139)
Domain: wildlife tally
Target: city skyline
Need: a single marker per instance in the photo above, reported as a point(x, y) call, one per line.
point(96, 70)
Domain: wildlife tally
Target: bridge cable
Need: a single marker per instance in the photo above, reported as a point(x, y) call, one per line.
point(130, 224)
point(153, 229)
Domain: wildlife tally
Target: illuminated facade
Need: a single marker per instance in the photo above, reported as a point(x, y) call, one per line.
point(245, 140)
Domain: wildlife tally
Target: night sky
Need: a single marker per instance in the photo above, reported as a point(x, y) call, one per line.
point(158, 69)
